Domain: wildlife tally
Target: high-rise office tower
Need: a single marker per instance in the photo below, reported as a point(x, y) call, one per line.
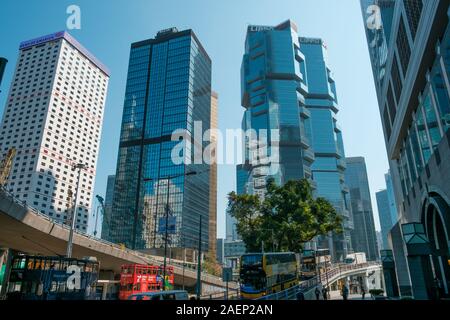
point(273, 94)
point(53, 117)
point(108, 202)
point(387, 211)
point(213, 177)
point(384, 212)
point(364, 238)
point(288, 86)
point(168, 89)
point(391, 197)
point(414, 103)
point(242, 175)
point(326, 140)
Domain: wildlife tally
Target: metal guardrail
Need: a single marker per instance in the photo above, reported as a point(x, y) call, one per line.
point(233, 294)
point(338, 270)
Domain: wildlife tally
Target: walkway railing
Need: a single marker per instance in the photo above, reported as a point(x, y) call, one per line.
point(331, 275)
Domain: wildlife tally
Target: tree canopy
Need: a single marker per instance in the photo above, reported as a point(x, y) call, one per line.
point(287, 218)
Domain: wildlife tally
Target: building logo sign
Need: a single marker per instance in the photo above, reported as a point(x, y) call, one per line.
point(260, 28)
point(44, 39)
point(310, 40)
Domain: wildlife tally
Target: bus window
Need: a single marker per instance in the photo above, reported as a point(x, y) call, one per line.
point(30, 265)
point(169, 297)
point(252, 260)
point(156, 297)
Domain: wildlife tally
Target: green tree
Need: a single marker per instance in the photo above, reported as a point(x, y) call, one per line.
point(285, 220)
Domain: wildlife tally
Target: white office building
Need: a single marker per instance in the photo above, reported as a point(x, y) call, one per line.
point(53, 118)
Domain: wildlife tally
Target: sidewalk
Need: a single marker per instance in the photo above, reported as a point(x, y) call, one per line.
point(336, 295)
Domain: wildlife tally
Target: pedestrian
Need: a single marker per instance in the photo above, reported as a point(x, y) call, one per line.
point(363, 292)
point(345, 292)
point(325, 293)
point(438, 287)
point(317, 292)
point(300, 295)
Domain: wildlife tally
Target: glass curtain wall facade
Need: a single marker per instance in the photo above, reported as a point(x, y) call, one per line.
point(273, 95)
point(386, 223)
point(168, 88)
point(326, 140)
point(364, 237)
point(108, 207)
point(391, 197)
point(414, 105)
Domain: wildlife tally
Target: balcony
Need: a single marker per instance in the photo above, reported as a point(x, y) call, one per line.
point(307, 171)
point(305, 113)
point(341, 164)
point(303, 88)
point(349, 225)
point(345, 189)
point(346, 213)
point(313, 184)
point(309, 155)
point(260, 172)
point(305, 142)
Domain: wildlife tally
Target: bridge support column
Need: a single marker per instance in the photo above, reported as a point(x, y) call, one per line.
point(389, 275)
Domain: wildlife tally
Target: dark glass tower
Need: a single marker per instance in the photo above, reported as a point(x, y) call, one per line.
point(364, 238)
point(168, 88)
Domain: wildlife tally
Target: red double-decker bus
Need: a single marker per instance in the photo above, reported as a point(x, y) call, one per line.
point(137, 278)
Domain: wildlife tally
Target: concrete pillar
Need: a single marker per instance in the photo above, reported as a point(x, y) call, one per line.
point(418, 255)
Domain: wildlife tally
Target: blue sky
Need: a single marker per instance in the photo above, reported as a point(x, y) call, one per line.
point(109, 27)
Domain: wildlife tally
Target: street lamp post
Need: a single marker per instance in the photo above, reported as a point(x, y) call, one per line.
point(199, 262)
point(79, 166)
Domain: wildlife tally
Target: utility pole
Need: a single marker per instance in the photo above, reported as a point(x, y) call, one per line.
point(199, 262)
point(166, 234)
point(184, 264)
point(79, 166)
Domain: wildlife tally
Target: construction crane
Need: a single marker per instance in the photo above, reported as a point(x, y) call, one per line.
point(6, 166)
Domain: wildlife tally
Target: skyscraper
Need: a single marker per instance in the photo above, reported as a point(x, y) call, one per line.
point(242, 175)
point(108, 207)
point(288, 87)
point(53, 118)
point(213, 178)
point(391, 197)
point(364, 238)
point(384, 212)
point(414, 103)
point(325, 137)
point(273, 89)
point(168, 89)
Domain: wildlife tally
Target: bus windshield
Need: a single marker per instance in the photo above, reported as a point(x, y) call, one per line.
point(253, 260)
point(253, 281)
